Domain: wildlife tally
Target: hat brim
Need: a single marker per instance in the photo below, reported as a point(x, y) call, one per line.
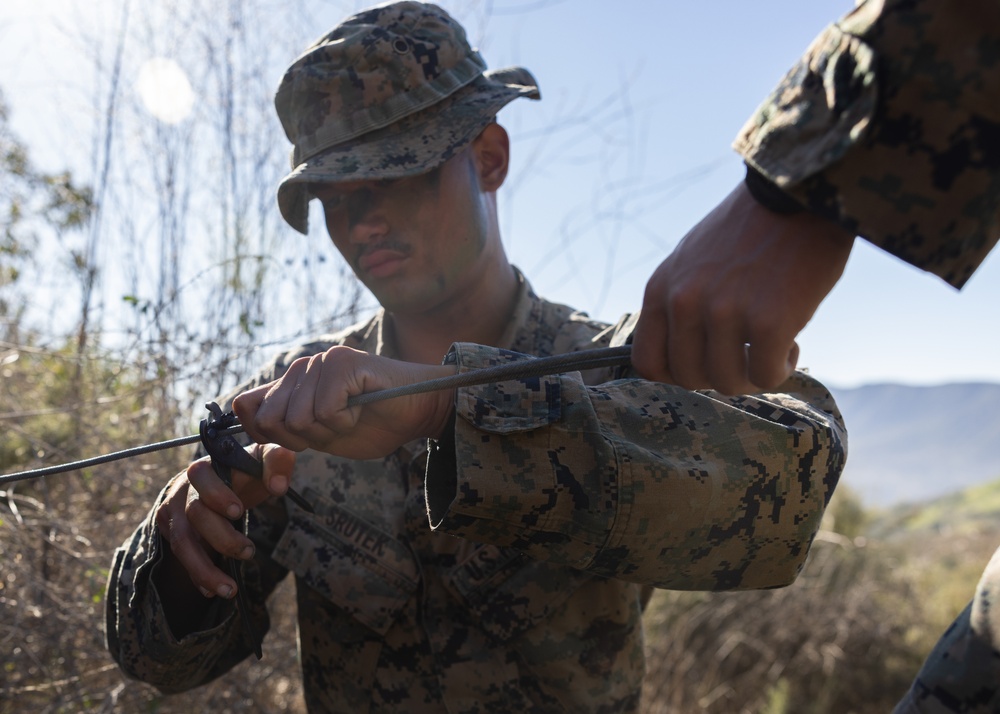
point(413, 145)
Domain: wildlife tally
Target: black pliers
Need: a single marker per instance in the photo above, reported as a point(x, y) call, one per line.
point(228, 454)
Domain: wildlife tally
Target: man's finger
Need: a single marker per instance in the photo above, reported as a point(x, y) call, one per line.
point(726, 352)
point(190, 552)
point(246, 406)
point(210, 489)
point(686, 346)
point(771, 362)
point(649, 347)
point(279, 463)
point(301, 421)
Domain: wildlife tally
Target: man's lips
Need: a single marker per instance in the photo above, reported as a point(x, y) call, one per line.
point(381, 262)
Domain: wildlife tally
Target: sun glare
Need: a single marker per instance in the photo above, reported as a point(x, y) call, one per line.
point(165, 90)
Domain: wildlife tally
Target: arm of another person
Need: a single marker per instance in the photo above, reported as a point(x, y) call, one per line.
point(723, 310)
point(887, 128)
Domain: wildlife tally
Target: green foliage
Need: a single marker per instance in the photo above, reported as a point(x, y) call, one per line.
point(777, 698)
point(965, 511)
point(846, 513)
point(31, 202)
point(61, 404)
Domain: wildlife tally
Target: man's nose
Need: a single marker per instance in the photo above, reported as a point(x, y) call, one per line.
point(366, 216)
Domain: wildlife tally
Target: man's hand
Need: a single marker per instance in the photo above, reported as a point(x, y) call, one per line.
point(723, 310)
point(307, 407)
point(194, 519)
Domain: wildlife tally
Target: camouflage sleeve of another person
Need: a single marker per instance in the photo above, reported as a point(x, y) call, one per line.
point(638, 480)
point(890, 125)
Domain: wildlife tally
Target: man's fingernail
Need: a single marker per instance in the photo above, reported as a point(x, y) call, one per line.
point(205, 591)
point(233, 511)
point(247, 552)
point(279, 484)
point(225, 591)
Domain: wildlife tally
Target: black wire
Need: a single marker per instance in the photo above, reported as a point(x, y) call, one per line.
point(541, 366)
point(114, 456)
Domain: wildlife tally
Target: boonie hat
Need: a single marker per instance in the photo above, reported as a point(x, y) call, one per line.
point(393, 91)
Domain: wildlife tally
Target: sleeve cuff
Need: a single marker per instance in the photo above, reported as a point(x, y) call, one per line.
point(768, 195)
point(821, 108)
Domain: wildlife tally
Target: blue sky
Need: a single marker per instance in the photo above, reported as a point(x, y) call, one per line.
point(627, 150)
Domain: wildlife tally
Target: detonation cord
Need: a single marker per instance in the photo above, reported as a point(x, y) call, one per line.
point(521, 369)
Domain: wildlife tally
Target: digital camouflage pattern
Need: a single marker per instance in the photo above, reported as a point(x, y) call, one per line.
point(393, 91)
point(962, 673)
point(890, 125)
point(535, 607)
point(639, 480)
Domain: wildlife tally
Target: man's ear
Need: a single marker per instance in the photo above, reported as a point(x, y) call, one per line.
point(491, 151)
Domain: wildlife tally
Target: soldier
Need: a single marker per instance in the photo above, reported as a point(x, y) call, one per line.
point(478, 549)
point(887, 128)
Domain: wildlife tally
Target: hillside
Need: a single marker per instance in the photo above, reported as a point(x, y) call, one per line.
point(972, 511)
point(910, 444)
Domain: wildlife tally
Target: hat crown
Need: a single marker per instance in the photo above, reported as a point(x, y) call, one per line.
point(373, 69)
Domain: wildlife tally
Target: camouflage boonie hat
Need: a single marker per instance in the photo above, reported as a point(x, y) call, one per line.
point(393, 91)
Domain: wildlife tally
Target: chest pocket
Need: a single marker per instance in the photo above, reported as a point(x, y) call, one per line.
point(510, 592)
point(358, 566)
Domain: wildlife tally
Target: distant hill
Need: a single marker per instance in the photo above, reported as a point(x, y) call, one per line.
point(970, 511)
point(910, 444)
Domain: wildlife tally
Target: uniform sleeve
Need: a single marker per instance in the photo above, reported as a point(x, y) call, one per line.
point(139, 636)
point(639, 480)
point(890, 125)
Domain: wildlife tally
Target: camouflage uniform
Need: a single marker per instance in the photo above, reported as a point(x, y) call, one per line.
point(535, 607)
point(890, 125)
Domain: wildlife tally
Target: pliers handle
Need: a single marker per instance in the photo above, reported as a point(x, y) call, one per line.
point(228, 454)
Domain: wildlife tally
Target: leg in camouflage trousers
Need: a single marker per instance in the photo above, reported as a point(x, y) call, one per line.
point(962, 673)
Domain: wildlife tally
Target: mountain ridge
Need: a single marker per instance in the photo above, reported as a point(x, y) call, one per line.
point(908, 444)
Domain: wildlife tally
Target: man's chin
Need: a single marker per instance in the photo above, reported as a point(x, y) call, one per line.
point(404, 303)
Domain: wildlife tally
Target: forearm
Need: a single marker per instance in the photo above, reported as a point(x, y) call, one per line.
point(889, 125)
point(643, 481)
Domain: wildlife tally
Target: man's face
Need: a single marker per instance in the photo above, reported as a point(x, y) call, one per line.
point(417, 243)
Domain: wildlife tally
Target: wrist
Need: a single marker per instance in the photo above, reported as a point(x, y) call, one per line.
point(802, 222)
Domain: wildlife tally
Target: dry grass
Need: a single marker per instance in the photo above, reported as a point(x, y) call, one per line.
point(56, 561)
point(844, 639)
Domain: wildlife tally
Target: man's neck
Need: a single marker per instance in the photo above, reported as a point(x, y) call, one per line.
point(481, 317)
